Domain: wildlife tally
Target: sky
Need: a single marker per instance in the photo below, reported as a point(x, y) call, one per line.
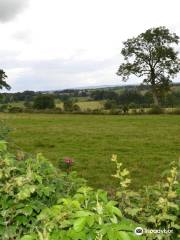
point(59, 44)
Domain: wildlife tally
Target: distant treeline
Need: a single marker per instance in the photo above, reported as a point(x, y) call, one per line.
point(139, 96)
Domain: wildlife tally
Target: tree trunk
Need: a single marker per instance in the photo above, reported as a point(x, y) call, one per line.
point(155, 98)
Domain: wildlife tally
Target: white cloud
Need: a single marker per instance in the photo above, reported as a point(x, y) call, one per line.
point(71, 43)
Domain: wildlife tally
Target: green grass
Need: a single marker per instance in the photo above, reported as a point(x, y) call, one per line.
point(145, 144)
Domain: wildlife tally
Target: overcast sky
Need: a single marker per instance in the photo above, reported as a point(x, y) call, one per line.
point(57, 44)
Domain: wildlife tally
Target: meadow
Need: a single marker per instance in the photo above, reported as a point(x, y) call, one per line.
point(145, 144)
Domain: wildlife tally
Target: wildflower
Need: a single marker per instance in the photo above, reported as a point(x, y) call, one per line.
point(68, 161)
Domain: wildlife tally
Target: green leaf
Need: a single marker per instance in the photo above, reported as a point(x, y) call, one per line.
point(79, 224)
point(27, 210)
point(27, 237)
point(123, 236)
point(83, 213)
point(22, 220)
point(117, 211)
point(90, 220)
point(26, 192)
point(112, 235)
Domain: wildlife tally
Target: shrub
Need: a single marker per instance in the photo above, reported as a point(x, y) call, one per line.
point(15, 109)
point(76, 108)
point(44, 101)
point(87, 215)
point(133, 105)
point(68, 105)
point(155, 207)
point(125, 108)
point(28, 104)
point(156, 110)
point(26, 188)
point(141, 110)
point(110, 104)
point(3, 107)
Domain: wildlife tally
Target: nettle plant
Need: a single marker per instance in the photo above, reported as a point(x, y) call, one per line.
point(154, 207)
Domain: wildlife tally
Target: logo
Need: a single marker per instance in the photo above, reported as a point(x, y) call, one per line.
point(138, 231)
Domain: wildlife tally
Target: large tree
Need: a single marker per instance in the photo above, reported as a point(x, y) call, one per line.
point(3, 83)
point(152, 56)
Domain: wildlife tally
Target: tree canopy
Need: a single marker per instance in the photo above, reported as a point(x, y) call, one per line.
point(152, 55)
point(3, 83)
point(44, 101)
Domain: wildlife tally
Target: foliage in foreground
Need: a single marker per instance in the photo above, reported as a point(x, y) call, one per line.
point(38, 202)
point(27, 186)
point(155, 207)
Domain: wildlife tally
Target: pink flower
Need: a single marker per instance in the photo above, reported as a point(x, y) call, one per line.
point(68, 161)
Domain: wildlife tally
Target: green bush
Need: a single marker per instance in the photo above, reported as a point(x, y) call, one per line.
point(76, 108)
point(68, 105)
point(156, 110)
point(110, 104)
point(44, 101)
point(28, 104)
point(125, 109)
point(3, 107)
point(155, 207)
point(27, 186)
point(15, 109)
point(40, 202)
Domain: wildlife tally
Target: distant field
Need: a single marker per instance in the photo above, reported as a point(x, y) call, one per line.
point(145, 144)
point(84, 105)
point(91, 105)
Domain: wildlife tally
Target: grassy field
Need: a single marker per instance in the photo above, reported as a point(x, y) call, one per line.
point(144, 144)
point(91, 105)
point(84, 105)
